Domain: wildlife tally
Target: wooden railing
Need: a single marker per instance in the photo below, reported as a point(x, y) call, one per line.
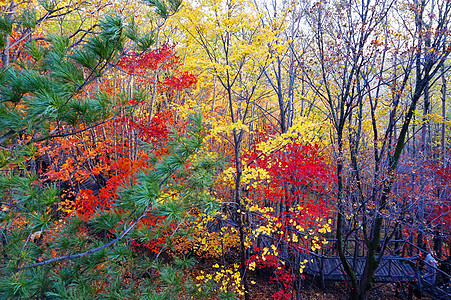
point(401, 262)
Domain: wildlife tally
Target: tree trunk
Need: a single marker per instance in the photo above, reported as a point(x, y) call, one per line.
point(443, 140)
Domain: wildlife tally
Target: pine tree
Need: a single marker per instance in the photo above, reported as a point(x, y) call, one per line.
point(43, 96)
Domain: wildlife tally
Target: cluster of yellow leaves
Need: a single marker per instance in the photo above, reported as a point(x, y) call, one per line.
point(224, 41)
point(303, 264)
point(17, 221)
point(204, 243)
point(303, 130)
point(227, 128)
point(239, 20)
point(215, 125)
point(67, 204)
point(322, 227)
point(80, 12)
point(272, 250)
point(226, 279)
point(218, 127)
point(271, 225)
point(189, 107)
point(250, 177)
point(251, 207)
point(436, 118)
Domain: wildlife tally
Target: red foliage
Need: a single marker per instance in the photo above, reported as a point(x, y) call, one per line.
point(298, 191)
point(86, 204)
point(281, 275)
point(149, 129)
point(18, 49)
point(123, 169)
point(299, 175)
point(166, 62)
point(151, 223)
point(147, 61)
point(178, 83)
point(424, 187)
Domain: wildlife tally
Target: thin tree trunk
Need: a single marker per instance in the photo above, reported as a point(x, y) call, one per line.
point(443, 140)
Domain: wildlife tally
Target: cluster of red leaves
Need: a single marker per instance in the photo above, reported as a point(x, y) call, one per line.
point(164, 59)
point(151, 223)
point(424, 185)
point(122, 169)
point(280, 274)
point(438, 185)
point(443, 173)
point(142, 63)
point(122, 156)
point(74, 159)
point(299, 189)
point(86, 204)
point(178, 82)
point(299, 175)
point(149, 129)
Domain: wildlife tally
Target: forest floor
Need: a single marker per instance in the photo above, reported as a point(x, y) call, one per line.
point(334, 291)
point(262, 288)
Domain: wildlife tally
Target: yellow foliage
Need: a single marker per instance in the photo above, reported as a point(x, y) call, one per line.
point(303, 130)
point(250, 177)
point(436, 118)
point(208, 244)
point(225, 279)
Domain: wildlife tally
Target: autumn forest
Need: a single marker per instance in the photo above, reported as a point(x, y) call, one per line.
point(228, 149)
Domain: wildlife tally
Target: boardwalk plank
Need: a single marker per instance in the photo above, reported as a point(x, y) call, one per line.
point(391, 269)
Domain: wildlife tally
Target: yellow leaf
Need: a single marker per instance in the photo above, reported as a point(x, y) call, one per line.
point(36, 235)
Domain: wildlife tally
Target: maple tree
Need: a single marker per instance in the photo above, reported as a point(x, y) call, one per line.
point(229, 59)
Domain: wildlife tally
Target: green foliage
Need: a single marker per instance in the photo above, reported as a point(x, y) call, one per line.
point(48, 89)
point(120, 253)
point(145, 41)
point(30, 286)
point(48, 5)
point(165, 8)
point(28, 18)
point(183, 263)
point(49, 253)
point(6, 27)
point(104, 221)
point(149, 196)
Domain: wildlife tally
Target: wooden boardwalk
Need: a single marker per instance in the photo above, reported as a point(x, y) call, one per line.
point(391, 269)
point(433, 291)
point(326, 265)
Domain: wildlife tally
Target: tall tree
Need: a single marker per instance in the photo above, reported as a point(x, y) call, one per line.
point(359, 55)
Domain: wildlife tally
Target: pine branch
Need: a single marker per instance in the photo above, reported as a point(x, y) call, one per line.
point(70, 133)
point(74, 256)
